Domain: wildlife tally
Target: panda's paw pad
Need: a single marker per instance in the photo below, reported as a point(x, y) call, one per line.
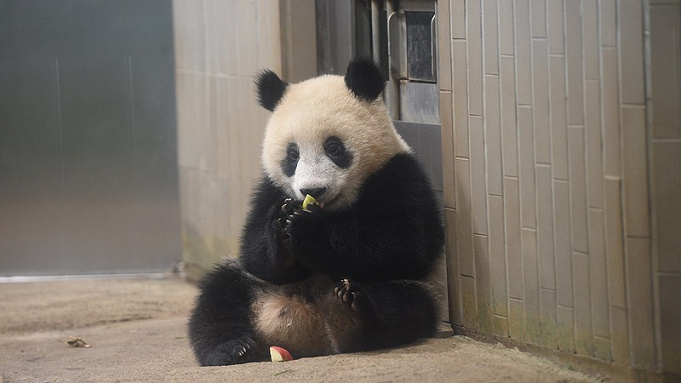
point(348, 292)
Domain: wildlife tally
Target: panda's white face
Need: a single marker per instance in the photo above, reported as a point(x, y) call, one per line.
point(325, 141)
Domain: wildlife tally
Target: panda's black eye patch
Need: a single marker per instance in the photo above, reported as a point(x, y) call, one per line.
point(290, 161)
point(335, 150)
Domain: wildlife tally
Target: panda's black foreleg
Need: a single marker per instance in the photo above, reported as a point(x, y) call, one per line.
point(384, 314)
point(220, 330)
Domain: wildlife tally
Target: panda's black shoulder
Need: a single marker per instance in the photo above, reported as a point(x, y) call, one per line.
point(401, 181)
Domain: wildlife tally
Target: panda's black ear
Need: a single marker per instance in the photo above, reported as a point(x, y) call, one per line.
point(270, 89)
point(364, 79)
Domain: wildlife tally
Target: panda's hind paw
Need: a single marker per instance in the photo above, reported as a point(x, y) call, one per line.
point(348, 292)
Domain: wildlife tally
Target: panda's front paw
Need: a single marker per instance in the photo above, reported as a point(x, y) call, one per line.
point(232, 352)
point(295, 221)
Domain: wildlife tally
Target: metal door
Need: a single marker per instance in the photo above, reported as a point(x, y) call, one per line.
point(401, 37)
point(88, 158)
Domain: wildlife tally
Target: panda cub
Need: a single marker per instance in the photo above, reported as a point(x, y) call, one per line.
point(345, 274)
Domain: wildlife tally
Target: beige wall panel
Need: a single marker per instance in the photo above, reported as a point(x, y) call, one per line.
point(191, 112)
point(493, 135)
point(252, 121)
point(209, 137)
point(464, 217)
point(666, 68)
point(523, 54)
point(215, 32)
point(236, 134)
point(545, 240)
point(509, 130)
point(474, 50)
point(526, 162)
point(594, 144)
point(591, 43)
point(478, 176)
point(558, 127)
point(563, 243)
point(497, 255)
point(513, 244)
point(619, 323)
point(670, 313)
point(602, 348)
point(630, 22)
point(640, 302)
point(444, 46)
point(468, 306)
point(608, 22)
point(578, 189)
point(538, 14)
point(458, 18)
point(583, 318)
point(188, 34)
point(574, 54)
point(299, 40)
point(482, 283)
point(247, 44)
point(614, 243)
point(665, 178)
point(555, 27)
point(547, 318)
point(611, 112)
point(269, 27)
point(232, 66)
point(598, 274)
point(667, 205)
point(565, 323)
point(454, 290)
point(446, 119)
point(506, 30)
point(228, 139)
point(500, 326)
point(540, 103)
point(530, 285)
point(635, 168)
point(516, 319)
point(491, 36)
point(460, 84)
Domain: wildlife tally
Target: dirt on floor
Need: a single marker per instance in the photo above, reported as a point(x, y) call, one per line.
point(136, 332)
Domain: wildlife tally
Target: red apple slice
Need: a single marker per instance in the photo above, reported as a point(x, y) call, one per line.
point(278, 354)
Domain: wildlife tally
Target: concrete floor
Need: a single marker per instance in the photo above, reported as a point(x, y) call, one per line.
point(137, 332)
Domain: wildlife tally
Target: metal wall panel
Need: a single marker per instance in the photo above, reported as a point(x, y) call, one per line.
point(88, 163)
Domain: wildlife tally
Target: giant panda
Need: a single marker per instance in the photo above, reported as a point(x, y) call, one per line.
point(342, 276)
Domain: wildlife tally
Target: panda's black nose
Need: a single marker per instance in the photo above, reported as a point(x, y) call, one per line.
point(318, 192)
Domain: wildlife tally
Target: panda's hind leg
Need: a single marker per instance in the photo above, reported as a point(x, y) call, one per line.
point(364, 316)
point(220, 330)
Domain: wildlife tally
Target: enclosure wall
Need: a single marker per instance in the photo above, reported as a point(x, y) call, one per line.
point(546, 175)
point(219, 48)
